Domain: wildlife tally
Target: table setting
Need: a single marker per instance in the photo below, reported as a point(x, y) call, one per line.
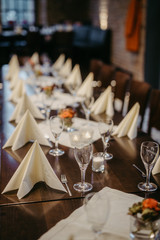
point(76, 158)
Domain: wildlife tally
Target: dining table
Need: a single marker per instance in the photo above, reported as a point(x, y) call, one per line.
point(43, 207)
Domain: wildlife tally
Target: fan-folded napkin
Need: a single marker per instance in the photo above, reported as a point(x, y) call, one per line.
point(34, 58)
point(75, 78)
point(14, 80)
point(104, 103)
point(26, 130)
point(18, 91)
point(59, 62)
point(34, 168)
point(21, 107)
point(86, 89)
point(128, 126)
point(13, 66)
point(66, 68)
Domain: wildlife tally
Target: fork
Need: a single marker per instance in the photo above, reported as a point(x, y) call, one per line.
point(143, 174)
point(64, 180)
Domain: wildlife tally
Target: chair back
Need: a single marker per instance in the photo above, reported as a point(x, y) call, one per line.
point(139, 92)
point(106, 74)
point(95, 67)
point(154, 110)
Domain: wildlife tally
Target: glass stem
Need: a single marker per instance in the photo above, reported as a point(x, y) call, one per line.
point(56, 143)
point(148, 173)
point(83, 173)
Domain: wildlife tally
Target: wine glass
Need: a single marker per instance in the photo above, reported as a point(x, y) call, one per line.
point(56, 125)
point(105, 130)
point(83, 157)
point(47, 102)
point(149, 154)
point(97, 210)
point(87, 105)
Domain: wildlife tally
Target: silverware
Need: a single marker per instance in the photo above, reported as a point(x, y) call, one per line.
point(64, 180)
point(143, 174)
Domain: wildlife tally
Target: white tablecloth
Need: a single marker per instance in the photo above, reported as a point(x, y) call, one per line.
point(117, 227)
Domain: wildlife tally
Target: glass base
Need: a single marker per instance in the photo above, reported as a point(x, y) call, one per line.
point(108, 156)
point(144, 187)
point(56, 152)
point(86, 187)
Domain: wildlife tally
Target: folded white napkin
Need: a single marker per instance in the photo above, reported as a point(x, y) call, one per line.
point(66, 68)
point(34, 58)
point(26, 130)
point(15, 79)
point(13, 66)
point(18, 91)
point(59, 62)
point(104, 103)
point(117, 226)
point(156, 168)
point(86, 89)
point(75, 78)
point(128, 126)
point(21, 107)
point(34, 168)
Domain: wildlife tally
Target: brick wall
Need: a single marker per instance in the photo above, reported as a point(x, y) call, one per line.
point(117, 11)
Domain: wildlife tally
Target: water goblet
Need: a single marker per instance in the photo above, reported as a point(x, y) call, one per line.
point(56, 125)
point(47, 102)
point(149, 152)
point(105, 130)
point(97, 210)
point(83, 156)
point(87, 105)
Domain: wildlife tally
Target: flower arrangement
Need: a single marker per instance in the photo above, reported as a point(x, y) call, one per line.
point(147, 210)
point(67, 114)
point(48, 90)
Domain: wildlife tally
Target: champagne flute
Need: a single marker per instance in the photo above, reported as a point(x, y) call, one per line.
point(105, 130)
point(87, 105)
point(83, 157)
point(56, 125)
point(97, 210)
point(149, 154)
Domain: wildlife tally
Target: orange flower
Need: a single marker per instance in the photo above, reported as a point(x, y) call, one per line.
point(151, 203)
point(67, 113)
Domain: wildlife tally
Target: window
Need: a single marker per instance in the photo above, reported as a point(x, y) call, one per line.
point(17, 12)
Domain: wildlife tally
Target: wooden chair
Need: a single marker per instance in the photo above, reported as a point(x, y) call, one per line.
point(106, 74)
point(95, 67)
point(120, 87)
point(139, 92)
point(154, 112)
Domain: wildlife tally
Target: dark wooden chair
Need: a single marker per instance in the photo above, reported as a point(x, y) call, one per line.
point(95, 67)
point(139, 92)
point(120, 87)
point(154, 111)
point(106, 74)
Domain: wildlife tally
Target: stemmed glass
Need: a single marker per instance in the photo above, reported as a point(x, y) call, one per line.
point(97, 210)
point(47, 102)
point(56, 125)
point(83, 157)
point(149, 154)
point(87, 105)
point(105, 130)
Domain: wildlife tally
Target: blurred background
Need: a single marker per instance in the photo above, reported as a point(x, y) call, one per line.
point(125, 33)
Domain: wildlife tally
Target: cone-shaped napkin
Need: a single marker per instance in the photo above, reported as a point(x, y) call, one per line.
point(18, 92)
point(13, 66)
point(34, 168)
point(66, 68)
point(59, 62)
point(24, 104)
point(86, 89)
point(34, 58)
point(14, 80)
point(75, 78)
point(156, 168)
point(128, 126)
point(104, 103)
point(26, 130)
